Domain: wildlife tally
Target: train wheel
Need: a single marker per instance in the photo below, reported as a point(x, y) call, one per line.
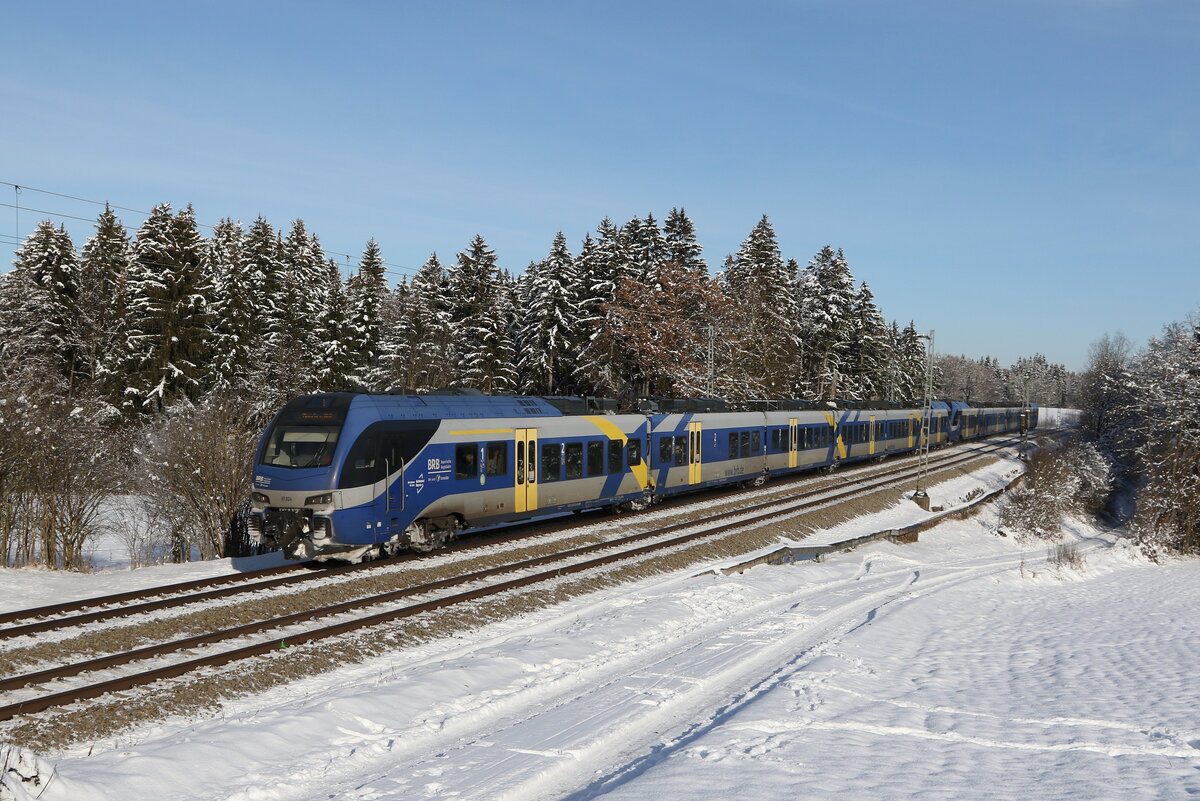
point(641, 504)
point(423, 538)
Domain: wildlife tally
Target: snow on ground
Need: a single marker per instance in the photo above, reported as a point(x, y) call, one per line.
point(960, 667)
point(37, 586)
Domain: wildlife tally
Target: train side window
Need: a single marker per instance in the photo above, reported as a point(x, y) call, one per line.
point(574, 454)
point(744, 443)
point(363, 465)
point(465, 465)
point(595, 458)
point(551, 463)
point(616, 457)
point(666, 450)
point(520, 462)
point(756, 441)
point(497, 459)
point(681, 450)
point(733, 445)
point(775, 439)
point(633, 450)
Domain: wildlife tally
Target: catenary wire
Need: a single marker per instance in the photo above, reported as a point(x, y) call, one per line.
point(390, 268)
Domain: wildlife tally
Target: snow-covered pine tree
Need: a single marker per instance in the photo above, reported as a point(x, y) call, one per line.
point(395, 342)
point(264, 270)
point(301, 295)
point(430, 352)
point(40, 311)
point(548, 322)
point(910, 363)
point(335, 360)
point(764, 314)
point(869, 348)
point(645, 247)
point(503, 316)
point(590, 308)
point(826, 314)
point(679, 234)
point(103, 299)
point(235, 319)
point(482, 342)
point(604, 362)
point(368, 292)
point(170, 312)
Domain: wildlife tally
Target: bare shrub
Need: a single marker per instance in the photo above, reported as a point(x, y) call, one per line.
point(56, 469)
point(1065, 555)
point(146, 541)
point(194, 466)
point(1074, 480)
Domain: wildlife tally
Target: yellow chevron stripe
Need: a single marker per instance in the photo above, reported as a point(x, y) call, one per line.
point(640, 471)
point(841, 446)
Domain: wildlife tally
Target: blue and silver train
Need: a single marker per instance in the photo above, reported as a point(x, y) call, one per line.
point(354, 476)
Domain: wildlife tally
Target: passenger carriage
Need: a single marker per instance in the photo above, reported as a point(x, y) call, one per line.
point(351, 475)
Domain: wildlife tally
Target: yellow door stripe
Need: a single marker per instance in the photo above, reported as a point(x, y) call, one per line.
point(610, 430)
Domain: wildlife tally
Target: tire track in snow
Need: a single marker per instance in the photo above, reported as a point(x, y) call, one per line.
point(605, 727)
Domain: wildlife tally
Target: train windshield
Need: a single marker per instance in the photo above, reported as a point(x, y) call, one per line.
point(300, 446)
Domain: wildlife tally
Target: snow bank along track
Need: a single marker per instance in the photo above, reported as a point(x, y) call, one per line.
point(473, 585)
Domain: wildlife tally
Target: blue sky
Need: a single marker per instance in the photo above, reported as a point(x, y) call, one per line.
point(1020, 176)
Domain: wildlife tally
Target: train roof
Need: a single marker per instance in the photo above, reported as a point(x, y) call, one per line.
point(311, 408)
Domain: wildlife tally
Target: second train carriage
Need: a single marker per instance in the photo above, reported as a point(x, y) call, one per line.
point(347, 475)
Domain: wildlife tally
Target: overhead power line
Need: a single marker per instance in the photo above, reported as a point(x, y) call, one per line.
point(390, 268)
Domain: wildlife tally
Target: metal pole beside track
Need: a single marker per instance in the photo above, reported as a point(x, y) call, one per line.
point(920, 496)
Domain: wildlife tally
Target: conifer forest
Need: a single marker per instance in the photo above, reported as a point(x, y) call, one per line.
point(137, 371)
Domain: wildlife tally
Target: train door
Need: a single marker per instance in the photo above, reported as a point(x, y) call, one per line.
point(526, 441)
point(395, 491)
point(694, 461)
point(793, 442)
point(871, 435)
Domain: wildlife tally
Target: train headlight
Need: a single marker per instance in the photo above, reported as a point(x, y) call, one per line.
point(319, 500)
point(260, 497)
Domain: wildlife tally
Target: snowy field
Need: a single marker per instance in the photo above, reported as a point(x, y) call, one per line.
point(960, 667)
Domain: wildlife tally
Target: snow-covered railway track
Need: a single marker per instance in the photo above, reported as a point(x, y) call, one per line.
point(178, 596)
point(290, 630)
